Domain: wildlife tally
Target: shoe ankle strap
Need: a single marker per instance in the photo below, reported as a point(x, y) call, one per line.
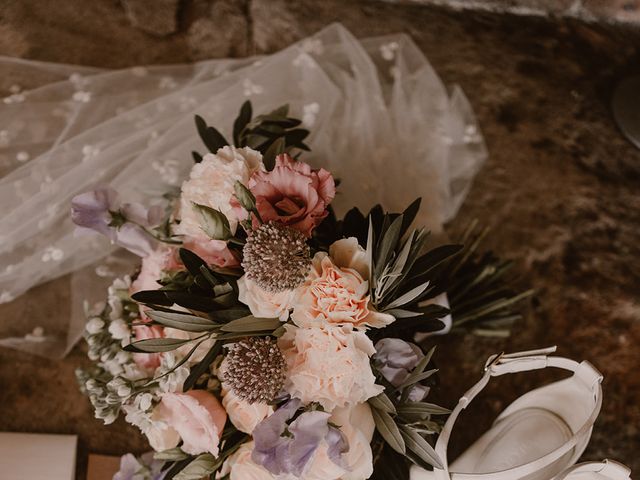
point(502, 364)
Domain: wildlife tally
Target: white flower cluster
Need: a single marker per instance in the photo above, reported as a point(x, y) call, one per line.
point(115, 382)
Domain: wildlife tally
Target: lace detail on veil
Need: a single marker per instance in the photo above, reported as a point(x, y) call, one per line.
point(382, 121)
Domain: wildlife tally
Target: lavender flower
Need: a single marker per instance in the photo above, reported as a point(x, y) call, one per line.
point(284, 448)
point(124, 225)
point(395, 359)
point(144, 468)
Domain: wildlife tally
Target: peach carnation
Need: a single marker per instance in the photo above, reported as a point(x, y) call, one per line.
point(262, 303)
point(336, 291)
point(328, 365)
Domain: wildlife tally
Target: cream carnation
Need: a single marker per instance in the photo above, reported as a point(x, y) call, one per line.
point(336, 291)
point(329, 365)
point(244, 415)
point(262, 303)
point(211, 183)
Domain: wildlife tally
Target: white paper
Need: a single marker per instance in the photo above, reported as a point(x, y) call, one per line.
point(28, 456)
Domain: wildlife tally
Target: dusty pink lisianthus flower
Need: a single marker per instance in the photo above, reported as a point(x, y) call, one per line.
point(336, 291)
point(293, 194)
point(214, 252)
point(147, 361)
point(197, 416)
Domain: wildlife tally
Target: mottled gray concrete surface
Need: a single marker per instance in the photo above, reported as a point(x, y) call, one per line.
point(560, 187)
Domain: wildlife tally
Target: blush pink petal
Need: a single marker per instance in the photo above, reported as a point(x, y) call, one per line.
point(214, 252)
point(147, 361)
point(197, 416)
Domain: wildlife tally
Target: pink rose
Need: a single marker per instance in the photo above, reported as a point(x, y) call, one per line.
point(328, 365)
point(197, 416)
point(242, 414)
point(336, 291)
point(292, 194)
point(214, 252)
point(147, 361)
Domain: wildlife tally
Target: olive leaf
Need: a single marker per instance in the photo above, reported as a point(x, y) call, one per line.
point(186, 322)
point(156, 345)
point(199, 468)
point(420, 446)
point(251, 324)
point(383, 403)
point(389, 430)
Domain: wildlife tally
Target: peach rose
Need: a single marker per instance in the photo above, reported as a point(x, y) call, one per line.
point(265, 304)
point(197, 416)
point(293, 194)
point(244, 415)
point(147, 361)
point(239, 466)
point(329, 365)
point(336, 291)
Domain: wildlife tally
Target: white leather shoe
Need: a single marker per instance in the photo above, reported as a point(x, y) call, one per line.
point(538, 436)
point(607, 470)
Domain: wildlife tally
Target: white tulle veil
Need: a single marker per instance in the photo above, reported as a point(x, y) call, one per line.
point(380, 119)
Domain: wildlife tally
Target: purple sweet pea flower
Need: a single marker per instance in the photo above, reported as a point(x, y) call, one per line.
point(145, 468)
point(92, 209)
point(337, 444)
point(287, 449)
point(395, 359)
point(95, 211)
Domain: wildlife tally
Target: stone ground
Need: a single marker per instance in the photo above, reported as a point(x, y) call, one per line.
point(560, 187)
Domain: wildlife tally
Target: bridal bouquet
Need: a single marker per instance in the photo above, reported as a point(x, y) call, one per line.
point(265, 338)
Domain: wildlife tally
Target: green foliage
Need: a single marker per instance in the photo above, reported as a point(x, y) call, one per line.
point(481, 288)
point(403, 424)
point(213, 222)
point(405, 277)
point(271, 134)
